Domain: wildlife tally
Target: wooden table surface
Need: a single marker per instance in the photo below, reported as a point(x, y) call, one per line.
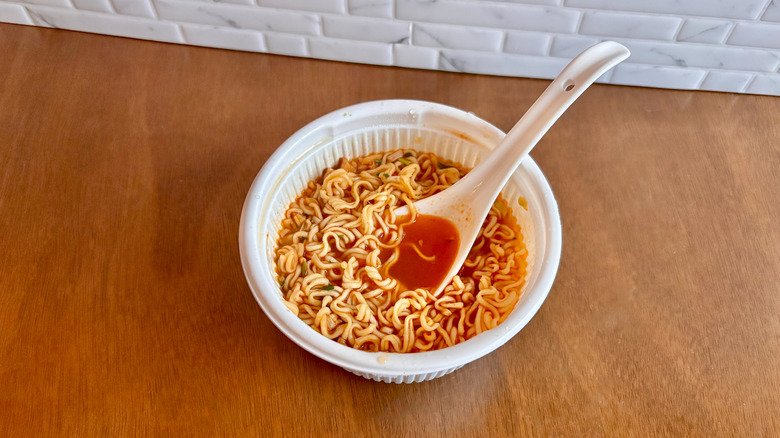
point(124, 310)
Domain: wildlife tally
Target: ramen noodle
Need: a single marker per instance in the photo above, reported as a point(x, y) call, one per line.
point(341, 235)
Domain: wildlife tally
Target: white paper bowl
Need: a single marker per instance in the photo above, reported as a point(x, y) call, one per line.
point(385, 125)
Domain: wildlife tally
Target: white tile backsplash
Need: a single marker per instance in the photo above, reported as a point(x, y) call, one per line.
point(61, 3)
point(94, 5)
point(117, 25)
point(351, 51)
point(238, 2)
point(731, 81)
point(15, 14)
point(534, 2)
point(718, 45)
point(487, 14)
point(742, 9)
point(569, 46)
point(772, 12)
point(609, 24)
point(494, 63)
point(366, 29)
point(138, 8)
point(756, 35)
point(704, 30)
point(332, 6)
point(765, 84)
point(212, 36)
point(722, 57)
point(415, 57)
point(371, 8)
point(239, 16)
point(658, 76)
point(286, 44)
point(527, 43)
point(457, 37)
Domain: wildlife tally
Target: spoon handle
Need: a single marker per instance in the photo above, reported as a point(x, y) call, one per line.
point(575, 78)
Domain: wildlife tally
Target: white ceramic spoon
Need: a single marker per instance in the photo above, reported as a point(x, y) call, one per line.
point(467, 202)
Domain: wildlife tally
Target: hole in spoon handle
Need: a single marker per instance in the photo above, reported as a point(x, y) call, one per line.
point(568, 85)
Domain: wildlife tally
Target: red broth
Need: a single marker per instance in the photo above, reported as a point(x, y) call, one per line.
point(426, 252)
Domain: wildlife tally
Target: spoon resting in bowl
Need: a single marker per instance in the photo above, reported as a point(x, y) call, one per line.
point(466, 203)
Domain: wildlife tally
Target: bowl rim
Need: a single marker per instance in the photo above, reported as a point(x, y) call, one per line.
point(382, 363)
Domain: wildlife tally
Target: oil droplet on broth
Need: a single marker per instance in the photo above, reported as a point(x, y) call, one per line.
point(523, 202)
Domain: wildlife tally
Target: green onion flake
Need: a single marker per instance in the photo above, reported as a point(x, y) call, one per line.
point(328, 287)
point(304, 269)
point(404, 161)
point(378, 161)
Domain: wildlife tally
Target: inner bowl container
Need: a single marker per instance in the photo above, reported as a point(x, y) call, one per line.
point(385, 125)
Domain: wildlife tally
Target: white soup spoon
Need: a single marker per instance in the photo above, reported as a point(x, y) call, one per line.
point(467, 202)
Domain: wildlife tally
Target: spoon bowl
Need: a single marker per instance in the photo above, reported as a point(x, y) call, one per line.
point(467, 202)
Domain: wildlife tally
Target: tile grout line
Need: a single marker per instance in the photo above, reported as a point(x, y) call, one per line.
point(27, 15)
point(749, 83)
point(580, 19)
point(264, 42)
point(180, 31)
point(320, 28)
point(722, 42)
point(760, 17)
point(35, 17)
point(307, 46)
point(703, 78)
point(679, 29)
point(725, 42)
point(549, 44)
point(153, 7)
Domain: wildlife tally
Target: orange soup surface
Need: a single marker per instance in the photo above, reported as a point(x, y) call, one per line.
point(426, 252)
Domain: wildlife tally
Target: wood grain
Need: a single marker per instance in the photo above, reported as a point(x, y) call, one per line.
point(124, 310)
